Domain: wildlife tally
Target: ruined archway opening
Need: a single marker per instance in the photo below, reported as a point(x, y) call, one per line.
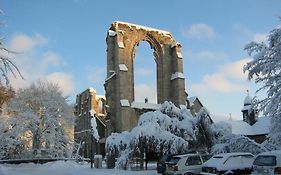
point(145, 76)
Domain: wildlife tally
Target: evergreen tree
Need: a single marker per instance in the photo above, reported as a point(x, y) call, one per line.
point(265, 69)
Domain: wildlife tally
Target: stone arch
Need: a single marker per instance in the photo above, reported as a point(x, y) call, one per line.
point(122, 39)
point(101, 109)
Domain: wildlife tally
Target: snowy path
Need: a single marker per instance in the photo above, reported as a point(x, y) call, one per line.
point(64, 168)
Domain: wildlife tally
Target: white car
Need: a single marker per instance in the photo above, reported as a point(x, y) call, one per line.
point(229, 163)
point(186, 164)
point(268, 163)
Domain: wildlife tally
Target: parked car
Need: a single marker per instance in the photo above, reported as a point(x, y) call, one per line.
point(161, 164)
point(268, 163)
point(186, 164)
point(229, 163)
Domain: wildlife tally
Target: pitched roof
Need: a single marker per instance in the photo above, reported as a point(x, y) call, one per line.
point(261, 127)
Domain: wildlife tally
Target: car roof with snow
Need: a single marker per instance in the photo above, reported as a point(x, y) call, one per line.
point(232, 154)
point(276, 152)
point(190, 154)
point(221, 158)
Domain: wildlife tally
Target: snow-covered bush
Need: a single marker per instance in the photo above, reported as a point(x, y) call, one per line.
point(221, 129)
point(167, 130)
point(237, 143)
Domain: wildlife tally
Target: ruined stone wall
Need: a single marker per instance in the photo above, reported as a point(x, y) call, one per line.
point(122, 39)
point(85, 102)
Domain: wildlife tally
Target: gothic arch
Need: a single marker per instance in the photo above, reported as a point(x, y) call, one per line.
point(122, 39)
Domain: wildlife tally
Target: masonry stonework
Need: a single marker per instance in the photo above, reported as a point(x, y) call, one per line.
point(122, 39)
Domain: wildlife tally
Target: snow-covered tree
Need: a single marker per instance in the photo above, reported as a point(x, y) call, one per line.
point(6, 93)
point(37, 119)
point(237, 143)
point(167, 130)
point(6, 63)
point(265, 69)
point(226, 142)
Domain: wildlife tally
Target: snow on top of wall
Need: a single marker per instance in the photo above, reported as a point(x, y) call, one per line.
point(175, 44)
point(143, 27)
point(261, 127)
point(179, 54)
point(92, 112)
point(123, 67)
point(124, 103)
point(111, 76)
point(120, 44)
point(141, 105)
point(192, 100)
point(94, 126)
point(111, 33)
point(92, 90)
point(177, 75)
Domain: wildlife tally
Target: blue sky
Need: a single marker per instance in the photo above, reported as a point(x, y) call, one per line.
point(64, 42)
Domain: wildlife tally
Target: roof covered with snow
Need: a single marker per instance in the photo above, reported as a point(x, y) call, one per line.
point(140, 105)
point(192, 99)
point(261, 127)
point(248, 100)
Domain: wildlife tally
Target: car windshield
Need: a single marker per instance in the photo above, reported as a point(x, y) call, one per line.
point(164, 158)
point(265, 161)
point(239, 160)
point(206, 157)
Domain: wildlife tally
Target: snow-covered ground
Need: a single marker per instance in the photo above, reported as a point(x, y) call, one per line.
point(66, 168)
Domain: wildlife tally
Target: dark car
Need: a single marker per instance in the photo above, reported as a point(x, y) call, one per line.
point(161, 165)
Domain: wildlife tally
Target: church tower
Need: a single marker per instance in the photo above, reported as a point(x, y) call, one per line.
point(249, 113)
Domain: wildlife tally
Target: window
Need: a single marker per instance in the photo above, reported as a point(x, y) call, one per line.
point(206, 157)
point(194, 160)
point(265, 161)
point(174, 160)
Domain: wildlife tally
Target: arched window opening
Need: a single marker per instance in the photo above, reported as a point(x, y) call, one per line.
point(145, 77)
point(101, 107)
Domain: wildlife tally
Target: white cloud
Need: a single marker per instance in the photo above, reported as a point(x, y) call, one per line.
point(37, 65)
point(241, 30)
point(227, 79)
point(206, 55)
point(23, 43)
point(235, 69)
point(51, 59)
point(199, 31)
point(143, 90)
point(142, 72)
point(64, 81)
point(217, 82)
point(96, 75)
point(251, 36)
point(260, 37)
